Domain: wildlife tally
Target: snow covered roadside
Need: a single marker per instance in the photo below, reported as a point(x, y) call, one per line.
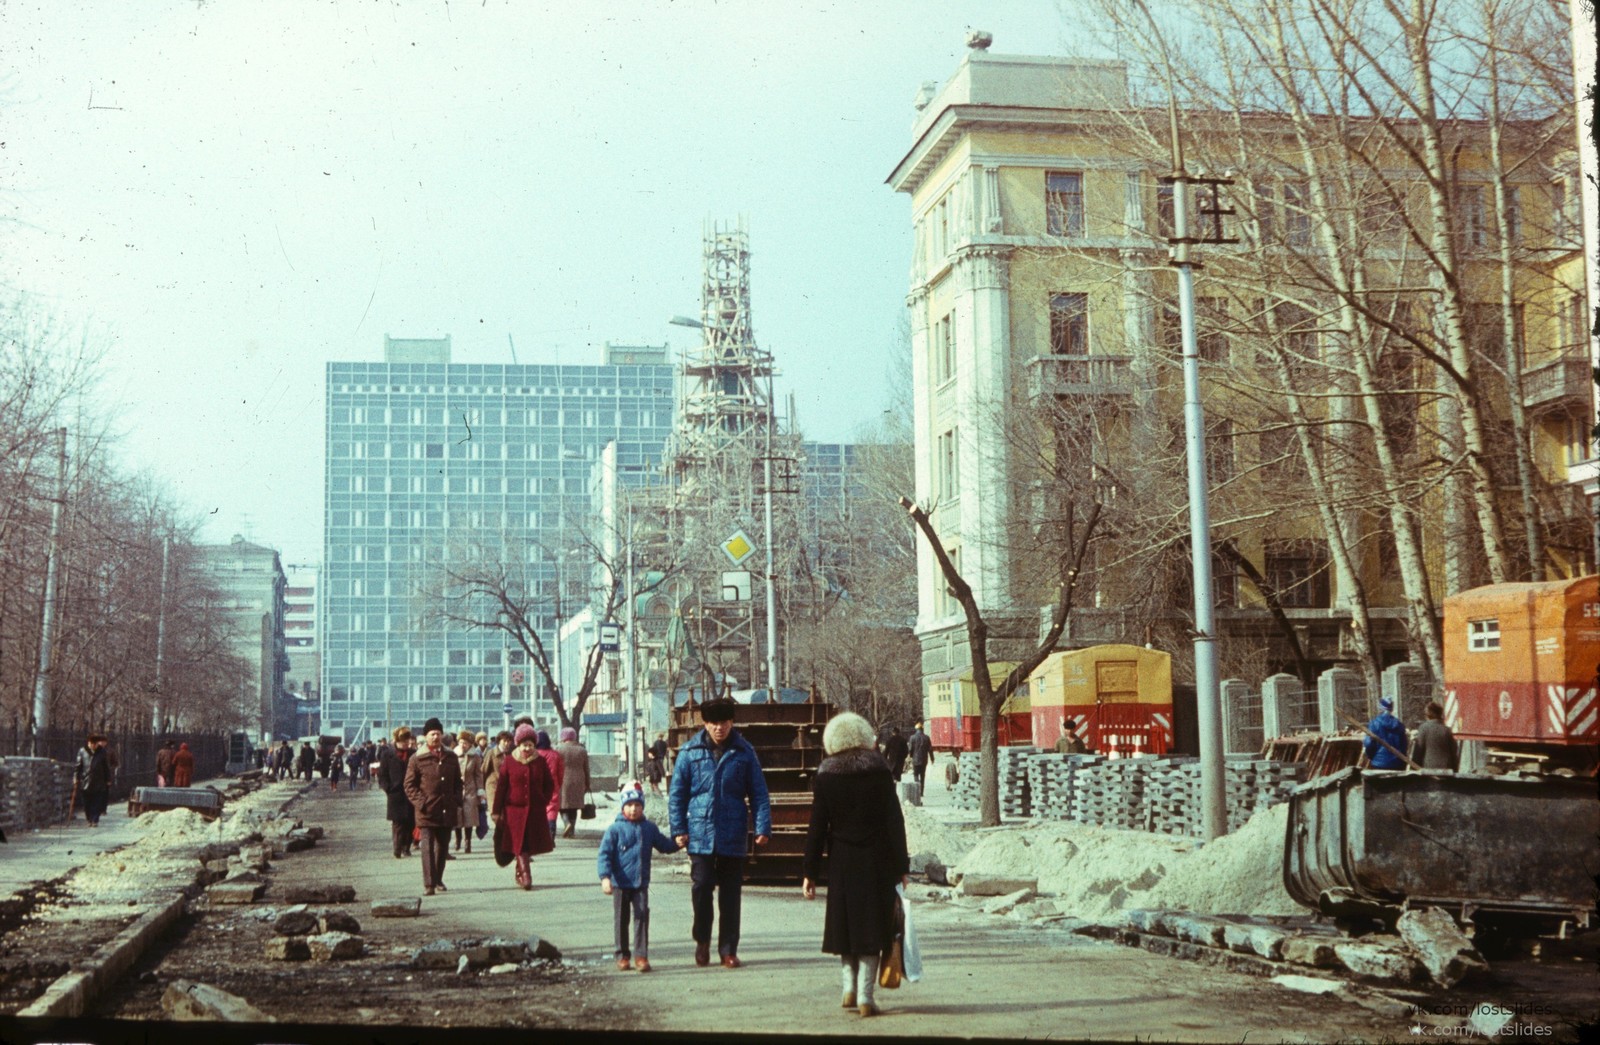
point(1093, 872)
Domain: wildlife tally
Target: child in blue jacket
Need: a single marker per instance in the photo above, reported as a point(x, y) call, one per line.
point(624, 866)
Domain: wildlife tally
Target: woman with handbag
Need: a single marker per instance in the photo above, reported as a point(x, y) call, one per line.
point(575, 782)
point(521, 796)
point(857, 824)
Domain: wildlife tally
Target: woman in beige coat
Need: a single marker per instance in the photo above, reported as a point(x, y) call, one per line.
point(575, 784)
point(471, 788)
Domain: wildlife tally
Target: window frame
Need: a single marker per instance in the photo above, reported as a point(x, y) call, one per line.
point(1064, 204)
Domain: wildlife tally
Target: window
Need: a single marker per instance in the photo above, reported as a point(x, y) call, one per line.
point(1219, 451)
point(1560, 216)
point(1211, 321)
point(1297, 570)
point(944, 603)
point(944, 349)
point(1297, 333)
point(1296, 213)
point(1483, 635)
point(1280, 452)
point(1514, 213)
point(1469, 216)
point(1166, 219)
point(1264, 211)
point(1069, 324)
point(1063, 202)
point(947, 478)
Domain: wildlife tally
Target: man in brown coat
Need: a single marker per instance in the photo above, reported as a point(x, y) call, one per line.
point(433, 786)
point(575, 783)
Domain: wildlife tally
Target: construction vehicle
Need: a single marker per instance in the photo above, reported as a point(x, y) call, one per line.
point(951, 717)
point(1512, 844)
point(1118, 696)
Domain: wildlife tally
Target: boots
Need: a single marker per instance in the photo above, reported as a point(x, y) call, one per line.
point(866, 983)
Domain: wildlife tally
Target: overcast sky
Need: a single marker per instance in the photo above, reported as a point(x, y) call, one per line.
point(229, 194)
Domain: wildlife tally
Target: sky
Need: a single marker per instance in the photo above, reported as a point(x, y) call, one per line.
point(225, 195)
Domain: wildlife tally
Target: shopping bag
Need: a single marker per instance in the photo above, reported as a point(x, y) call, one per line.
point(892, 967)
point(587, 810)
point(911, 955)
point(483, 821)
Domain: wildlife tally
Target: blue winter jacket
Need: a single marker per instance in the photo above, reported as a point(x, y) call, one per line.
point(707, 799)
point(1393, 732)
point(625, 851)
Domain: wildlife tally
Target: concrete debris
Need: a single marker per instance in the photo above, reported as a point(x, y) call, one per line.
point(1376, 961)
point(329, 947)
point(296, 922)
point(1207, 932)
point(1260, 940)
point(936, 872)
point(1306, 950)
point(500, 970)
point(1007, 903)
point(234, 891)
point(338, 922)
point(1309, 984)
point(919, 862)
point(995, 885)
point(184, 1000)
point(287, 949)
point(1440, 945)
point(479, 953)
point(406, 907)
point(318, 894)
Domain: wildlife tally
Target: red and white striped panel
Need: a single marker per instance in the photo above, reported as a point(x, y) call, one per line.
point(1452, 711)
point(1571, 712)
point(1162, 724)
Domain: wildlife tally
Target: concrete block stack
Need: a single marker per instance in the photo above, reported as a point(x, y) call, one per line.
point(1052, 778)
point(1016, 795)
point(1171, 793)
point(966, 796)
point(33, 792)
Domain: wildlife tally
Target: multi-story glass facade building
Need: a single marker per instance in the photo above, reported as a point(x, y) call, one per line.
point(425, 456)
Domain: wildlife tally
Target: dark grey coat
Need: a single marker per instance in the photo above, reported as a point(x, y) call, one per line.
point(856, 821)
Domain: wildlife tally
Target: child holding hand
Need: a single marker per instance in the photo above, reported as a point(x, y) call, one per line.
point(624, 866)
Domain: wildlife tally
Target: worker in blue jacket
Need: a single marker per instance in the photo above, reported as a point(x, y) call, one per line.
point(1392, 732)
point(716, 784)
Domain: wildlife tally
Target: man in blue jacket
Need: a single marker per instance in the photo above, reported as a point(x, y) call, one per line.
point(716, 782)
point(1391, 753)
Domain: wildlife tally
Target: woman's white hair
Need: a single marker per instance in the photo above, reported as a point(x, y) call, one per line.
point(845, 731)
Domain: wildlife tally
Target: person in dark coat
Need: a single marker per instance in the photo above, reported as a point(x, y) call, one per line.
point(521, 794)
point(921, 750)
point(857, 824)
point(1435, 746)
point(164, 763)
point(574, 780)
point(94, 778)
point(391, 779)
point(183, 766)
point(308, 759)
point(717, 787)
point(894, 748)
point(433, 785)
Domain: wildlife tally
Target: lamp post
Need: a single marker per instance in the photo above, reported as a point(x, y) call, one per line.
point(1208, 704)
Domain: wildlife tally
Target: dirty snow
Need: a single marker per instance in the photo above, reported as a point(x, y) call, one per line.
point(1094, 871)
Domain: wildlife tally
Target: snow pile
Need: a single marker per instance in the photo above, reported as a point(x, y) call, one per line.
point(1241, 873)
point(926, 834)
point(1096, 871)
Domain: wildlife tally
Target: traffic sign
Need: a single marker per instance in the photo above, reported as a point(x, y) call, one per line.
point(506, 708)
point(516, 676)
point(494, 691)
point(610, 638)
point(738, 547)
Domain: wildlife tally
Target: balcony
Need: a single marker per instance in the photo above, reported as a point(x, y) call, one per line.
point(1080, 376)
point(1561, 382)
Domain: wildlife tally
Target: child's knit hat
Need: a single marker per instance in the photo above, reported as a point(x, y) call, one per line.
point(632, 795)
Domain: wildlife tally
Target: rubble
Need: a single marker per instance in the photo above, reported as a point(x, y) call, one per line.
point(338, 921)
point(287, 949)
point(404, 907)
point(328, 947)
point(995, 885)
point(482, 953)
point(1440, 945)
point(318, 894)
point(296, 921)
point(184, 1000)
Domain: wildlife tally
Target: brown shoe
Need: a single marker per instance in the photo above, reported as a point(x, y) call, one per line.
point(849, 1001)
point(731, 961)
point(568, 832)
point(624, 964)
point(440, 886)
point(642, 964)
point(428, 891)
point(868, 1009)
point(702, 954)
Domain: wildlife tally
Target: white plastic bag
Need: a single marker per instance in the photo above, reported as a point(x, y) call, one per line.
point(911, 954)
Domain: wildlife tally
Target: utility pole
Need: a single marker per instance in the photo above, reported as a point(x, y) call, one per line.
point(772, 579)
point(630, 744)
point(1208, 696)
point(161, 638)
point(47, 621)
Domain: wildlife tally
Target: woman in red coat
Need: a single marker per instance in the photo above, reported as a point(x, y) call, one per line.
point(182, 766)
point(520, 797)
point(558, 772)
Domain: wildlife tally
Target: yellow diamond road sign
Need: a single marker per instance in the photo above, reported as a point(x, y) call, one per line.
point(738, 547)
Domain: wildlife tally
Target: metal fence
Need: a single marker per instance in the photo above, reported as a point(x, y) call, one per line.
point(136, 753)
